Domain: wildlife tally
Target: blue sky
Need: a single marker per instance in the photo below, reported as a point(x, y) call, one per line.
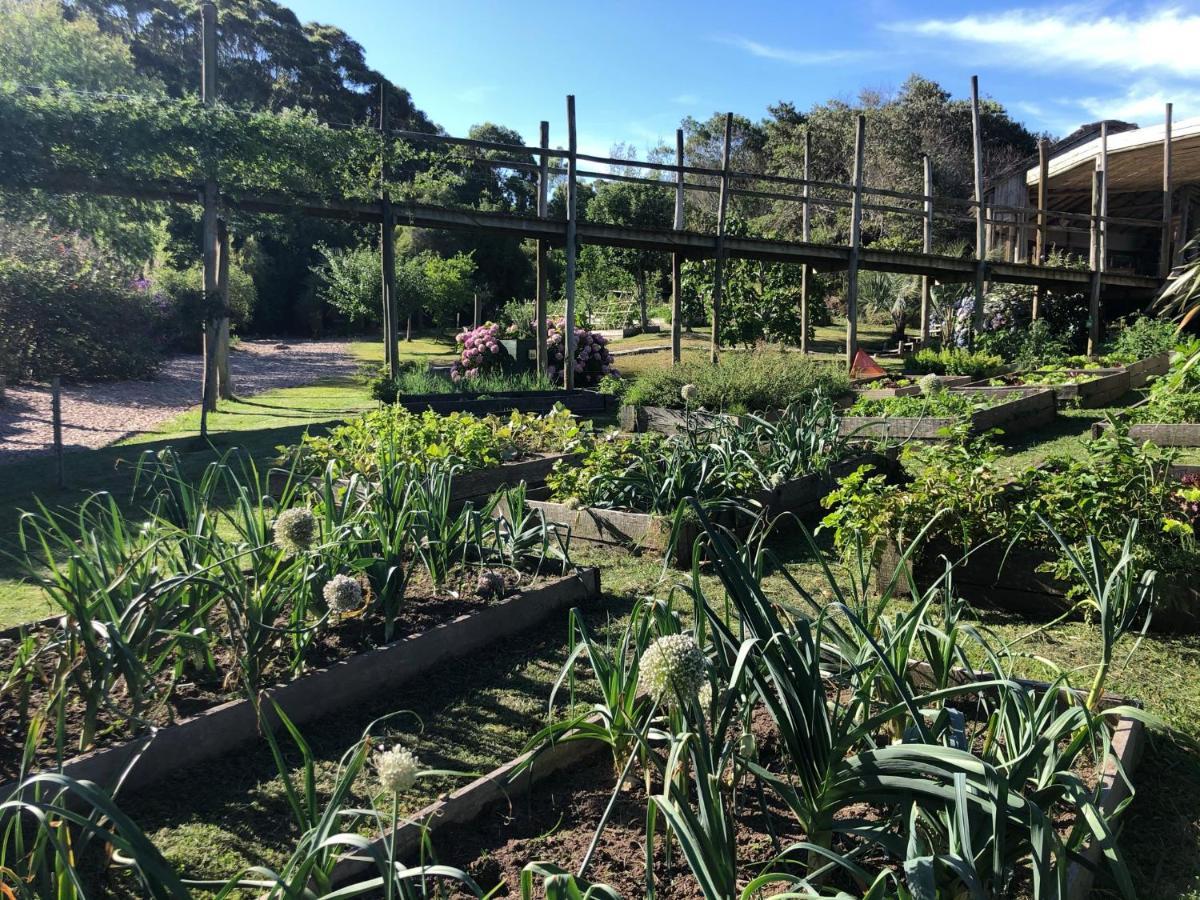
point(637, 68)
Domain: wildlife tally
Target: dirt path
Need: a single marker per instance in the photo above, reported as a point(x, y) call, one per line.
point(96, 415)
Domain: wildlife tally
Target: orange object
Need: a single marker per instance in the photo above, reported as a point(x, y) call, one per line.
point(865, 367)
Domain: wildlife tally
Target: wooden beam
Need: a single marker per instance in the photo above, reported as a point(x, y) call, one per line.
point(1097, 266)
point(676, 259)
point(391, 304)
point(208, 96)
point(1040, 243)
point(1103, 163)
point(224, 381)
point(805, 236)
point(572, 228)
point(980, 216)
point(927, 245)
point(1164, 262)
point(541, 303)
point(719, 273)
point(860, 136)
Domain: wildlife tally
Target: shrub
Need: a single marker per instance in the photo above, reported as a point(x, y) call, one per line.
point(1141, 338)
point(180, 295)
point(759, 380)
point(953, 361)
point(67, 310)
point(482, 352)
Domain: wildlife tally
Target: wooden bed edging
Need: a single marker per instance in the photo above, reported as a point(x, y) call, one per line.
point(647, 531)
point(1033, 409)
point(578, 401)
point(1144, 369)
point(1106, 387)
point(1164, 434)
point(863, 386)
point(223, 728)
point(467, 803)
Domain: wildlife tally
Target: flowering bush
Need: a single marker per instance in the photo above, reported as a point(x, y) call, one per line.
point(592, 359)
point(482, 352)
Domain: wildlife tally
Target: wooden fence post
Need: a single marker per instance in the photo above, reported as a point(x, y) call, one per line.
point(805, 235)
point(1040, 243)
point(224, 382)
point(676, 259)
point(572, 224)
point(714, 352)
point(208, 96)
point(1097, 266)
point(1104, 195)
point(56, 424)
point(540, 306)
point(980, 212)
point(927, 245)
point(1164, 262)
point(387, 261)
point(860, 138)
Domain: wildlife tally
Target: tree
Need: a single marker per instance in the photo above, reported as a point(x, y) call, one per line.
point(636, 206)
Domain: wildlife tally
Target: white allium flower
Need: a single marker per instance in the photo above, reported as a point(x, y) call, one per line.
point(673, 667)
point(777, 479)
point(689, 392)
point(342, 593)
point(397, 769)
point(572, 503)
point(931, 384)
point(705, 696)
point(295, 529)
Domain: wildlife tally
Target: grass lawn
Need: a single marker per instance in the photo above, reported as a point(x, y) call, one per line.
point(216, 819)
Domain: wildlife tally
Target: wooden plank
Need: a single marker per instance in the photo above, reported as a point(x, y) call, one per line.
point(718, 271)
point(860, 129)
point(980, 226)
point(1034, 409)
point(1164, 262)
point(676, 259)
point(927, 244)
point(572, 230)
point(1097, 267)
point(541, 302)
point(805, 236)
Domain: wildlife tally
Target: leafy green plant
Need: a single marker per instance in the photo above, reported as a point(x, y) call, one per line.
point(1145, 336)
point(953, 361)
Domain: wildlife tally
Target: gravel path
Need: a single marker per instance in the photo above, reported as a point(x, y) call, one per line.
point(96, 415)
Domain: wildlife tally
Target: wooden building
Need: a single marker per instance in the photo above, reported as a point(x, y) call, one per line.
point(1139, 174)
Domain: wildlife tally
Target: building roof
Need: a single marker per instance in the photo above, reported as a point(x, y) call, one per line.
point(1134, 159)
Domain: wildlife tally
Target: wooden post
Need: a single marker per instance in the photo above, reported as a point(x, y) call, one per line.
point(1040, 241)
point(860, 137)
point(572, 224)
point(980, 213)
point(224, 382)
point(56, 423)
point(540, 311)
point(478, 319)
point(387, 248)
point(1103, 162)
point(719, 269)
point(391, 308)
point(927, 246)
point(1164, 262)
point(1097, 265)
point(208, 96)
point(676, 259)
point(806, 236)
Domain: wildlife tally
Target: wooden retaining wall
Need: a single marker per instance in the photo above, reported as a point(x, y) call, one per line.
point(1034, 409)
point(579, 402)
point(224, 728)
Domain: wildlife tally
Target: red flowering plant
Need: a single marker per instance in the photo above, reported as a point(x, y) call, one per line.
point(592, 358)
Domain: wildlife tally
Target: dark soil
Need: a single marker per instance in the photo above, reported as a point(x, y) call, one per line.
point(202, 688)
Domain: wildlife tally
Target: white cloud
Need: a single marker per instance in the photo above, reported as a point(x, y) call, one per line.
point(685, 99)
point(1163, 40)
point(1143, 103)
point(783, 54)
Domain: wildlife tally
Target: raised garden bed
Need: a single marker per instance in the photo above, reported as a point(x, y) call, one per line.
point(483, 829)
point(1034, 408)
point(474, 485)
point(1089, 388)
point(662, 419)
point(885, 386)
point(220, 729)
point(651, 532)
point(995, 576)
point(1143, 370)
point(1164, 434)
point(580, 402)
